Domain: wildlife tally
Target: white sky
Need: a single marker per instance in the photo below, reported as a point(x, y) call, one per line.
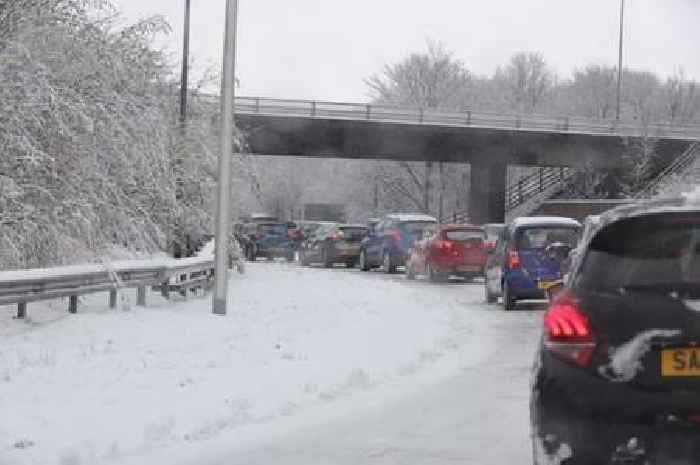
point(323, 49)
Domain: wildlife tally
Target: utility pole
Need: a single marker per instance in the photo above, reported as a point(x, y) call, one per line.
point(223, 204)
point(619, 65)
point(185, 64)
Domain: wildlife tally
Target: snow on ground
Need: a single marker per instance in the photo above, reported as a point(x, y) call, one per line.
point(302, 353)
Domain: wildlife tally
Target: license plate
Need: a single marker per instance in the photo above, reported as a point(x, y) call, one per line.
point(544, 285)
point(469, 269)
point(680, 362)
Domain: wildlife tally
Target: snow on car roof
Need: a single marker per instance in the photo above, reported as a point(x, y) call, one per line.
point(411, 217)
point(545, 220)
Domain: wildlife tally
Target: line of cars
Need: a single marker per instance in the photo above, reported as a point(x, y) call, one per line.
point(616, 377)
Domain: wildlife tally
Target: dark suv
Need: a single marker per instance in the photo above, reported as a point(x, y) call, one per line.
point(617, 375)
point(389, 242)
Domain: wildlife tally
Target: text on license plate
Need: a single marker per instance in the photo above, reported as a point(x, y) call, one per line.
point(680, 362)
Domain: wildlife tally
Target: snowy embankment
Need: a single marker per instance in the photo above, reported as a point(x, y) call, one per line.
point(119, 386)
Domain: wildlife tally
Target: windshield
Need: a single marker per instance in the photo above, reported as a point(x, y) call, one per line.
point(657, 253)
point(250, 232)
point(541, 237)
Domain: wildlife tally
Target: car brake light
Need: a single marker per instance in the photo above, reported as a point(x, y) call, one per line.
point(513, 259)
point(336, 236)
point(445, 246)
point(567, 330)
point(395, 235)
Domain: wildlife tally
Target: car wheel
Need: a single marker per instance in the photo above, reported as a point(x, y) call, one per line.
point(434, 276)
point(409, 272)
point(250, 254)
point(387, 264)
point(490, 298)
point(509, 299)
point(364, 266)
point(326, 259)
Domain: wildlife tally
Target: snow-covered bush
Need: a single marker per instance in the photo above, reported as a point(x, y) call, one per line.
point(90, 142)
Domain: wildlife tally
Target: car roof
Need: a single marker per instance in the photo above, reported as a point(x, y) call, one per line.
point(685, 203)
point(473, 227)
point(544, 221)
point(411, 217)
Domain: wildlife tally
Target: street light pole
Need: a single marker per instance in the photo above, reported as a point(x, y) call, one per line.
point(185, 64)
point(619, 64)
point(223, 204)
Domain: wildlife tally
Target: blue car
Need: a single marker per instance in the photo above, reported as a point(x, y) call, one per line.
point(389, 241)
point(521, 266)
point(268, 240)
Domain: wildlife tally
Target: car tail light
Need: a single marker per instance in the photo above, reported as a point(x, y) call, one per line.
point(513, 259)
point(395, 235)
point(336, 236)
point(445, 246)
point(568, 332)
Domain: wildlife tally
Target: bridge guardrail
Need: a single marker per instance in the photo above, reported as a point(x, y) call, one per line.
point(466, 117)
point(24, 286)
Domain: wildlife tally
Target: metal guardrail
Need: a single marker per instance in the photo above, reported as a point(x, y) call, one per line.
point(525, 189)
point(678, 166)
point(529, 186)
point(24, 286)
point(464, 118)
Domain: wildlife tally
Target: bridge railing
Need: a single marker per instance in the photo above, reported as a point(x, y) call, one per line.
point(466, 117)
point(24, 286)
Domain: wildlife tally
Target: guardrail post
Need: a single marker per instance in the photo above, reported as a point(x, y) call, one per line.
point(566, 123)
point(421, 114)
point(469, 117)
point(21, 310)
point(518, 122)
point(313, 108)
point(73, 304)
point(113, 298)
point(369, 111)
point(541, 173)
point(141, 296)
point(257, 104)
point(561, 176)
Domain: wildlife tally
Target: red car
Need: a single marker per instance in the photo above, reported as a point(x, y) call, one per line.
point(449, 250)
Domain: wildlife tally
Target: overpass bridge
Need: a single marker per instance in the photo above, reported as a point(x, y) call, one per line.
point(488, 141)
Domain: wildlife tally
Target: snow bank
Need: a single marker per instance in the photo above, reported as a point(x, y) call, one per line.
point(106, 386)
point(625, 361)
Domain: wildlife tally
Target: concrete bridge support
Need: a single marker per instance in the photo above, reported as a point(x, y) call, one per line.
point(487, 193)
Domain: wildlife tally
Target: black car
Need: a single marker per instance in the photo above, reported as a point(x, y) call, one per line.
point(333, 243)
point(617, 374)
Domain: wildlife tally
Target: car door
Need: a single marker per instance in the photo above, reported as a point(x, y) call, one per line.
point(375, 242)
point(494, 265)
point(422, 248)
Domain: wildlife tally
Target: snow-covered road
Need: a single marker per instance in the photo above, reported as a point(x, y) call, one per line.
point(310, 366)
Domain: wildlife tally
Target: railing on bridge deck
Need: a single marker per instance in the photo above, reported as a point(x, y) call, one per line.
point(465, 118)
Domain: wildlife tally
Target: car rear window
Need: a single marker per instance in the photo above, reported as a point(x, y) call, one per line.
point(463, 235)
point(416, 228)
point(542, 236)
point(657, 253)
point(354, 231)
point(280, 229)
